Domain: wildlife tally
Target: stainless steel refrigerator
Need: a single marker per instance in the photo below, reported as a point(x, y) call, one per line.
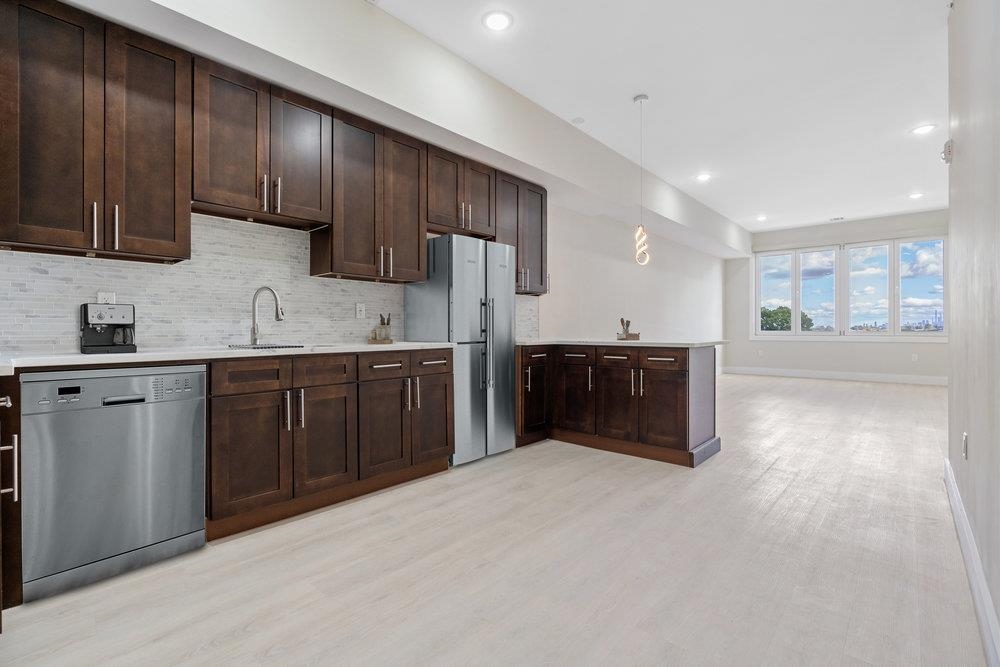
point(468, 299)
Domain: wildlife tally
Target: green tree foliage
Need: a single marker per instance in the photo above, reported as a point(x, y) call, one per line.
point(780, 319)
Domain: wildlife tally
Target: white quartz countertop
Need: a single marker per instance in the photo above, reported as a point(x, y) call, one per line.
point(10, 362)
point(629, 343)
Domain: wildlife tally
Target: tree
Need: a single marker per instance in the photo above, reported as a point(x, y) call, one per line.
point(807, 322)
point(776, 319)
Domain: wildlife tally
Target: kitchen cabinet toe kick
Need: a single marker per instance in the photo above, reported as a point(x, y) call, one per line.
point(690, 458)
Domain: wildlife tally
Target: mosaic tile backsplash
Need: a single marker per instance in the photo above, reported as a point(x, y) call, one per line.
point(204, 301)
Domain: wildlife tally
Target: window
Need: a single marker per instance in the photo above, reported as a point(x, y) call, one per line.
point(921, 287)
point(868, 283)
point(774, 278)
point(863, 290)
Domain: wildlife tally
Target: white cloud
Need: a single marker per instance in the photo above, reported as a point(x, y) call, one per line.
point(937, 289)
point(915, 302)
point(927, 260)
point(868, 271)
point(774, 303)
point(868, 290)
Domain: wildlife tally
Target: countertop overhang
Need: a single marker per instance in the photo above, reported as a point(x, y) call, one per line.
point(9, 363)
point(628, 343)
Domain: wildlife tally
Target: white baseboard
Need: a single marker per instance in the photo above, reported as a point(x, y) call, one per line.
point(989, 626)
point(838, 375)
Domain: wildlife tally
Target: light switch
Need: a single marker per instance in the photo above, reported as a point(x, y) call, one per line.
point(106, 297)
point(359, 311)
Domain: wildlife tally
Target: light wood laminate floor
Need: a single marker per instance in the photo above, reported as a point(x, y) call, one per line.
point(820, 535)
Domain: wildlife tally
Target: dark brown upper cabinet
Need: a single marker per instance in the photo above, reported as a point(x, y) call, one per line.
point(260, 152)
point(96, 141)
point(147, 136)
point(522, 221)
point(379, 191)
point(404, 220)
point(460, 193)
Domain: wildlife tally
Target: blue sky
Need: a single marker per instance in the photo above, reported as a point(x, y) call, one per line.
point(921, 281)
point(869, 285)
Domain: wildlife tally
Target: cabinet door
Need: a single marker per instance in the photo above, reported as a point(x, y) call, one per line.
point(508, 212)
point(536, 391)
point(405, 217)
point(52, 134)
point(445, 188)
point(663, 409)
point(147, 146)
point(433, 417)
point(480, 196)
point(357, 197)
point(326, 437)
point(384, 421)
point(574, 398)
point(231, 137)
point(531, 239)
point(251, 452)
point(618, 403)
point(301, 157)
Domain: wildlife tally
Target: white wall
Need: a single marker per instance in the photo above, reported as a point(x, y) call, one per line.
point(892, 361)
point(352, 55)
point(974, 274)
point(596, 281)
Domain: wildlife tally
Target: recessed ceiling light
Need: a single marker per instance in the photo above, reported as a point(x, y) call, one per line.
point(497, 20)
point(923, 129)
point(916, 195)
point(579, 120)
point(703, 177)
point(762, 218)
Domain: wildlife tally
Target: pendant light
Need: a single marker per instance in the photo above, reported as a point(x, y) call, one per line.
point(641, 246)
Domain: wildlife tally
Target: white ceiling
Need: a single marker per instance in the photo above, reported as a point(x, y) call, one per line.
point(800, 109)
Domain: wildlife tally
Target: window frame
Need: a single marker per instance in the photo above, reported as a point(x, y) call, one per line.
point(842, 294)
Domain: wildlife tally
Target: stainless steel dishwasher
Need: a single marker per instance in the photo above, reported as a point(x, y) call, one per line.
point(112, 470)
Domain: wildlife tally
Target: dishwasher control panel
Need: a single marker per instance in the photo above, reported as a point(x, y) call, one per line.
point(55, 392)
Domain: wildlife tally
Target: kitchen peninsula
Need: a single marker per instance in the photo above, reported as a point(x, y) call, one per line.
point(652, 399)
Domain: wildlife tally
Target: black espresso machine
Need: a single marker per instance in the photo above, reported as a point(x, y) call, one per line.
point(107, 328)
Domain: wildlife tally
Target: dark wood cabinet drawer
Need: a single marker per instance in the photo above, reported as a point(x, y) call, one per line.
point(249, 376)
point(326, 369)
point(622, 357)
point(536, 355)
point(577, 354)
point(428, 362)
point(383, 365)
point(663, 358)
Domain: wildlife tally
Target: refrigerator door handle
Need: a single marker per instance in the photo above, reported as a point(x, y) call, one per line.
point(490, 346)
point(482, 316)
point(482, 369)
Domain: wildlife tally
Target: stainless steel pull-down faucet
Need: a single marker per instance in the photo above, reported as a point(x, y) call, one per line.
point(279, 314)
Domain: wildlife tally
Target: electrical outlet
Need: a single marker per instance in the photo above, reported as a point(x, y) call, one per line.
point(359, 311)
point(760, 353)
point(914, 357)
point(965, 446)
point(106, 297)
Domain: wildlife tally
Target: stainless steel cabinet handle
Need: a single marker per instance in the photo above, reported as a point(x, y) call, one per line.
point(381, 260)
point(470, 216)
point(288, 411)
point(642, 383)
point(574, 354)
point(616, 356)
point(418, 393)
point(116, 226)
point(390, 262)
point(265, 185)
point(463, 215)
point(540, 356)
point(93, 221)
point(277, 197)
point(547, 278)
point(302, 408)
point(529, 378)
point(435, 362)
point(14, 448)
point(661, 358)
point(633, 382)
point(590, 381)
point(378, 366)
point(5, 402)
point(408, 406)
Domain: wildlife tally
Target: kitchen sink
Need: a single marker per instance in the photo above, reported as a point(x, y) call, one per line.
point(265, 346)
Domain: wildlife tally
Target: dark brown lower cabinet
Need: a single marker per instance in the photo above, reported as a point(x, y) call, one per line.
point(575, 404)
point(384, 426)
point(325, 438)
point(536, 398)
point(251, 453)
point(663, 409)
point(433, 417)
point(618, 403)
